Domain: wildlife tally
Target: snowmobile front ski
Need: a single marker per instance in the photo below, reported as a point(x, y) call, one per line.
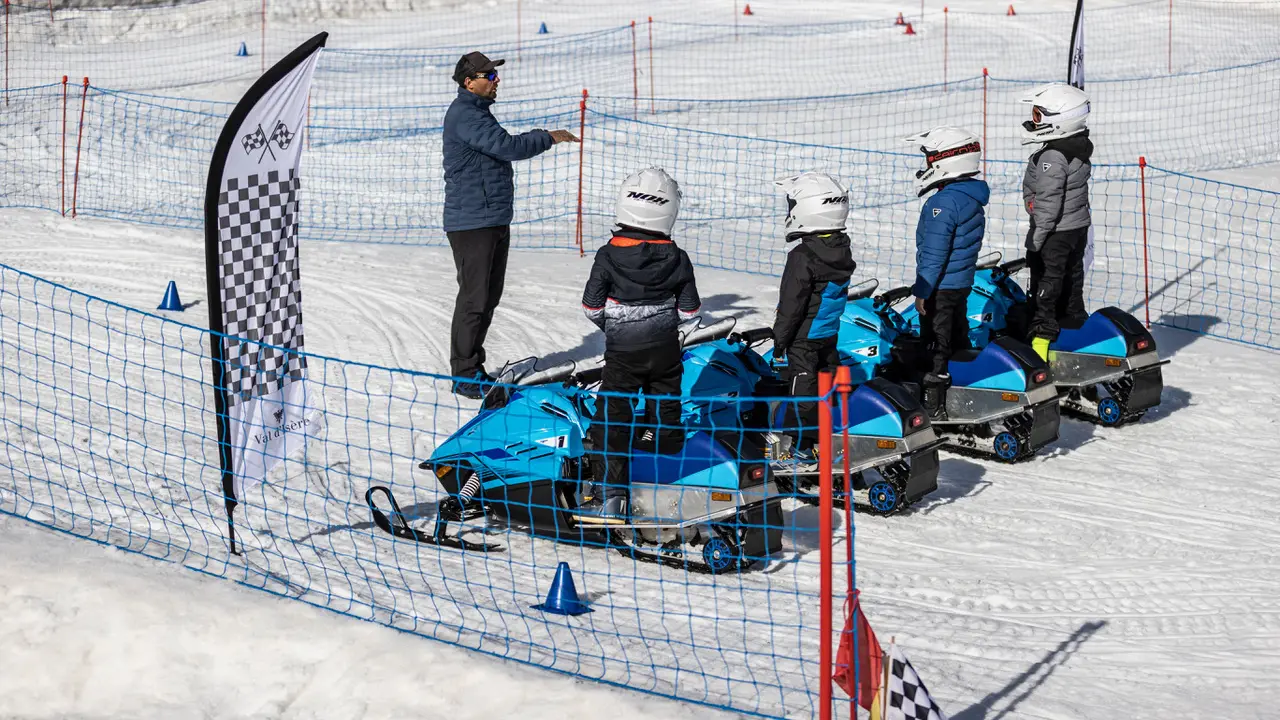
point(397, 525)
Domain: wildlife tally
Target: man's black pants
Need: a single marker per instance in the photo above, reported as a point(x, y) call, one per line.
point(616, 430)
point(481, 259)
point(805, 359)
point(944, 329)
point(1057, 283)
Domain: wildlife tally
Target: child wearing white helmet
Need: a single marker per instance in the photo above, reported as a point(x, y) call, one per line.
point(948, 241)
point(812, 296)
point(641, 286)
point(1055, 190)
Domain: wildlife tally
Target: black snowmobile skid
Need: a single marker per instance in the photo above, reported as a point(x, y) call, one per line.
point(1140, 389)
point(450, 510)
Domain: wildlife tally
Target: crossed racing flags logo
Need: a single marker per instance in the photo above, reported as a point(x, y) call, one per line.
point(257, 140)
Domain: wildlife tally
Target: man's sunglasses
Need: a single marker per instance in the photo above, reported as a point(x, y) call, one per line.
point(490, 76)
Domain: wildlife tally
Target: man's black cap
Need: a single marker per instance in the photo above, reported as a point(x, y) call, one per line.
point(472, 64)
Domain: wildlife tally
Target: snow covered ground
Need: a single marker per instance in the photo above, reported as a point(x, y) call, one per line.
point(89, 631)
point(1113, 566)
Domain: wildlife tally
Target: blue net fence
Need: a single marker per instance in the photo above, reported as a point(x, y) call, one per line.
point(109, 434)
point(368, 179)
point(379, 57)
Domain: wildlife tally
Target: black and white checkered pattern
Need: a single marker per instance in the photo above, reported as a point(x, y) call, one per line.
point(908, 697)
point(254, 140)
point(281, 136)
point(261, 288)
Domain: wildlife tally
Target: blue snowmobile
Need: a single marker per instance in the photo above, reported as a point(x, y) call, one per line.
point(1107, 370)
point(1001, 403)
point(893, 449)
point(524, 460)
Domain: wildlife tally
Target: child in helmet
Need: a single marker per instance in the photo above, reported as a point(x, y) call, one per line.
point(948, 242)
point(812, 296)
point(640, 287)
point(1055, 190)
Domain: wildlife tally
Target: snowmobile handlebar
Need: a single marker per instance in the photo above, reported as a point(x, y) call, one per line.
point(751, 337)
point(1013, 266)
point(889, 297)
point(714, 331)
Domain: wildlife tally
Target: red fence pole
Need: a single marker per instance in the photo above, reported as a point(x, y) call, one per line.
point(651, 64)
point(75, 179)
point(844, 388)
point(63, 175)
point(946, 32)
point(824, 545)
point(1146, 279)
point(263, 42)
point(984, 121)
point(582, 135)
point(50, 10)
point(635, 74)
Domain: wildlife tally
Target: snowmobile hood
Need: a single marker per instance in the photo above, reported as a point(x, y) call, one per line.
point(994, 368)
point(1109, 331)
point(870, 414)
point(974, 188)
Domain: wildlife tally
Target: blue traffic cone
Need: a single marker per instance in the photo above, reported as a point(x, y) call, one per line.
point(243, 51)
point(563, 599)
point(542, 30)
point(171, 301)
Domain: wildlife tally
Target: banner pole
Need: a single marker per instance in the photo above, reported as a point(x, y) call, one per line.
point(1146, 275)
point(63, 173)
point(75, 180)
point(582, 137)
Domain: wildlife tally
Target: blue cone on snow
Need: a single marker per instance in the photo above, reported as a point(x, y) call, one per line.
point(563, 599)
point(543, 29)
point(171, 300)
point(243, 51)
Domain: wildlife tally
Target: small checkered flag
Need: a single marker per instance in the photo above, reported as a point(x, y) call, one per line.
point(254, 140)
point(908, 698)
point(281, 136)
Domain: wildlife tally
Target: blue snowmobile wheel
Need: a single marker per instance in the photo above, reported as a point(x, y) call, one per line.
point(884, 497)
point(1007, 446)
point(1109, 412)
point(719, 555)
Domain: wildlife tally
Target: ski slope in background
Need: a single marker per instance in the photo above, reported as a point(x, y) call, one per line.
point(1131, 562)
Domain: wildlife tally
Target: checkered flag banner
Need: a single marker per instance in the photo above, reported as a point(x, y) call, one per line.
point(264, 408)
point(908, 698)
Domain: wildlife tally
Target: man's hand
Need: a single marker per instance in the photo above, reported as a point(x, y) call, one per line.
point(920, 306)
point(560, 136)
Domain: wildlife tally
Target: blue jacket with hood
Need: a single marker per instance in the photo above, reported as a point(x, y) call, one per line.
point(949, 237)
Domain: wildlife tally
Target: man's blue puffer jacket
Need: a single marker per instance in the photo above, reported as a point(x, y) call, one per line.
point(479, 184)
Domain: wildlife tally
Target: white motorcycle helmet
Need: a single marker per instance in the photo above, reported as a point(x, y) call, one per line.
point(649, 200)
point(1058, 110)
point(950, 153)
point(816, 202)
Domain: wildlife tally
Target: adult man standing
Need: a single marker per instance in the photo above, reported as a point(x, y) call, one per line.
point(479, 195)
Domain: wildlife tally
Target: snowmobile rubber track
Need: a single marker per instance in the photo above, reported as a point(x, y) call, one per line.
point(677, 558)
point(976, 454)
point(1080, 413)
point(397, 525)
